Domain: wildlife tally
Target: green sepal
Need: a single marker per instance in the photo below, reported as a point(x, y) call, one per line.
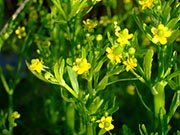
point(147, 63)
point(73, 79)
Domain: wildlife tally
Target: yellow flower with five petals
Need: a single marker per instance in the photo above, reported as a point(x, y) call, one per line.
point(36, 65)
point(105, 123)
point(20, 32)
point(160, 34)
point(81, 66)
point(123, 36)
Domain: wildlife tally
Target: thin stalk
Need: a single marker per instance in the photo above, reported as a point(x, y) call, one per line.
point(70, 90)
point(10, 111)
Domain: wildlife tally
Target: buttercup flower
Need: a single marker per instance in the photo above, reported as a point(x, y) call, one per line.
point(89, 25)
point(115, 53)
point(146, 3)
point(105, 123)
point(130, 63)
point(124, 36)
point(160, 34)
point(36, 65)
point(20, 32)
point(81, 66)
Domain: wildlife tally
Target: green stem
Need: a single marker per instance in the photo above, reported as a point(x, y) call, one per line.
point(70, 90)
point(159, 97)
point(10, 111)
point(70, 118)
point(90, 129)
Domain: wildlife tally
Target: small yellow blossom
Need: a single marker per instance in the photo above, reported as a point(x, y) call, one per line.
point(81, 66)
point(131, 89)
point(146, 3)
point(99, 37)
point(124, 36)
point(89, 25)
point(104, 20)
point(130, 63)
point(15, 115)
point(105, 123)
point(160, 34)
point(20, 32)
point(36, 65)
point(114, 53)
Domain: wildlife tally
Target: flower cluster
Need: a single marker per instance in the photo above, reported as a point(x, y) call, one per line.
point(122, 50)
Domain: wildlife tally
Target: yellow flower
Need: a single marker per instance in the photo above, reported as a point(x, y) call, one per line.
point(130, 89)
point(15, 115)
point(104, 20)
point(124, 36)
point(89, 25)
point(36, 65)
point(81, 66)
point(20, 32)
point(160, 34)
point(130, 63)
point(115, 53)
point(146, 3)
point(105, 123)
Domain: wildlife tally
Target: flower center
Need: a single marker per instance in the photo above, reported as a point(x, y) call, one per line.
point(106, 124)
point(160, 32)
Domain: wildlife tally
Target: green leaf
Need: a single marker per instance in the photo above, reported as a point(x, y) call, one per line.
point(117, 70)
point(174, 74)
point(73, 78)
point(103, 83)
point(127, 130)
point(59, 71)
point(114, 107)
point(147, 63)
point(174, 105)
point(174, 36)
point(173, 85)
point(143, 130)
point(95, 105)
point(172, 23)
